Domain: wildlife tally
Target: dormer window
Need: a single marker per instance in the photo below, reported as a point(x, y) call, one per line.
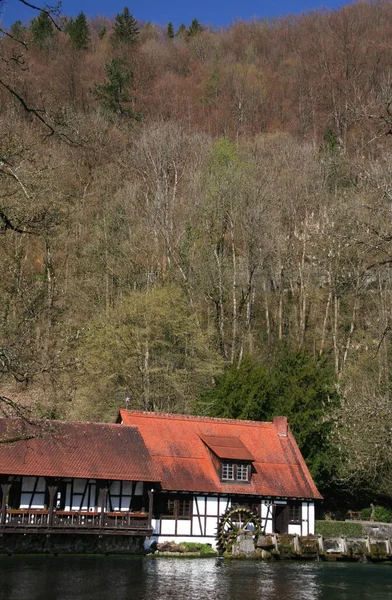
point(235, 471)
point(230, 456)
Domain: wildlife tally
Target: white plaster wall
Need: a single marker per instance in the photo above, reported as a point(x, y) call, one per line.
point(305, 519)
point(311, 518)
point(293, 529)
point(78, 490)
point(155, 524)
point(184, 527)
point(198, 505)
point(139, 489)
point(267, 510)
point(127, 488)
point(115, 489)
point(196, 525)
point(38, 500)
point(89, 499)
point(168, 527)
point(224, 504)
point(269, 526)
point(115, 504)
point(211, 525)
point(212, 506)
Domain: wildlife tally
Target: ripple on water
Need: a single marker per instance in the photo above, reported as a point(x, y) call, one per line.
point(123, 578)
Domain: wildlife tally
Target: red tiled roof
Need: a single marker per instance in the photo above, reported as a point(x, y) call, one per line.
point(176, 444)
point(227, 447)
point(85, 450)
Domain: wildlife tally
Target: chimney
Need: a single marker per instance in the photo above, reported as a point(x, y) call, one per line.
point(281, 426)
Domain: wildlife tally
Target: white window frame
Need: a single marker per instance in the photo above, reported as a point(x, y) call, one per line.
point(227, 471)
point(242, 472)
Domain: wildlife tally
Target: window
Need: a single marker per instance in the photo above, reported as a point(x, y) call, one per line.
point(242, 472)
point(170, 507)
point(179, 508)
point(227, 471)
point(184, 508)
point(235, 472)
point(295, 513)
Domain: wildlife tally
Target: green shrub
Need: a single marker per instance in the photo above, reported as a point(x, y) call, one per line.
point(382, 514)
point(339, 529)
point(378, 513)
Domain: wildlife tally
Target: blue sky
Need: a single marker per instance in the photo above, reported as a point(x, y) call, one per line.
point(211, 12)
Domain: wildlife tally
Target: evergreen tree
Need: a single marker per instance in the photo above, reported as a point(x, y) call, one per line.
point(42, 29)
point(78, 31)
point(18, 30)
point(240, 393)
point(182, 31)
point(170, 31)
point(303, 389)
point(295, 385)
point(194, 28)
point(125, 29)
point(114, 93)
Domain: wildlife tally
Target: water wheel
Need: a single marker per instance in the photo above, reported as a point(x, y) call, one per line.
point(232, 523)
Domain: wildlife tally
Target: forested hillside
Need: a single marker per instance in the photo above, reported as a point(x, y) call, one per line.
point(201, 220)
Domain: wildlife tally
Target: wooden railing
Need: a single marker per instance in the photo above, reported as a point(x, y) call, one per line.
point(75, 520)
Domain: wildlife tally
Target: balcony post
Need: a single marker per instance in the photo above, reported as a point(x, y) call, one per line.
point(104, 493)
point(150, 506)
point(52, 493)
point(5, 488)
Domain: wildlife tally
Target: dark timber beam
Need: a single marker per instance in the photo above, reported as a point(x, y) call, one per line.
point(52, 494)
point(150, 506)
point(5, 488)
point(104, 493)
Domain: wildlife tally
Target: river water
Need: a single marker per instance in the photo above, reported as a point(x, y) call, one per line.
point(123, 578)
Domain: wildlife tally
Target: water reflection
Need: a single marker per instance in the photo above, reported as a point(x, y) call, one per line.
point(123, 578)
point(235, 580)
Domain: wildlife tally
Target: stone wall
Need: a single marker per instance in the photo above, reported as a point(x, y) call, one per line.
point(377, 530)
point(16, 543)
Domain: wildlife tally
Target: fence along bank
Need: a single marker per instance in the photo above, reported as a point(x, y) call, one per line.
point(153, 477)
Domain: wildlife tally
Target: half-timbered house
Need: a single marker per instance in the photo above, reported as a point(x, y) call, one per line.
point(165, 477)
point(68, 477)
point(207, 466)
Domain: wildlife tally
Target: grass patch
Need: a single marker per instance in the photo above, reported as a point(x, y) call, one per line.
point(185, 548)
point(194, 547)
point(339, 529)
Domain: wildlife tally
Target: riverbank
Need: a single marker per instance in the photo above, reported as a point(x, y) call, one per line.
point(71, 543)
point(288, 547)
point(268, 548)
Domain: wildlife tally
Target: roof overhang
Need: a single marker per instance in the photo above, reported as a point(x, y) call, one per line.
point(227, 447)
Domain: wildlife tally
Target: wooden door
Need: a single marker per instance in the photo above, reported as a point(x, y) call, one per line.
point(281, 521)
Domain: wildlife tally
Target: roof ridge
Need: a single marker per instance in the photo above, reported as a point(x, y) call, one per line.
point(38, 421)
point(182, 417)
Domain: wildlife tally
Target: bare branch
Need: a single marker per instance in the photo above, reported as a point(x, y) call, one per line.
point(44, 10)
point(9, 225)
point(6, 33)
point(34, 111)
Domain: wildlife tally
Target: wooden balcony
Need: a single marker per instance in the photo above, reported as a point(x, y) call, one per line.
point(43, 521)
